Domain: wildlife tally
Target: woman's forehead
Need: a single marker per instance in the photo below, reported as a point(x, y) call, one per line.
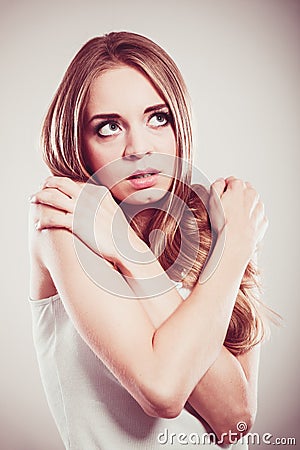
point(122, 86)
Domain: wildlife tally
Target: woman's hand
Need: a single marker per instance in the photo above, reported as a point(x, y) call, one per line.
point(55, 203)
point(87, 210)
point(236, 206)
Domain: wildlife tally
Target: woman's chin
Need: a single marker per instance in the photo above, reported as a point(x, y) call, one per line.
point(145, 196)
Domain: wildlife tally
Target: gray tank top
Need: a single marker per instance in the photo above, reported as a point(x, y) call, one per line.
point(92, 410)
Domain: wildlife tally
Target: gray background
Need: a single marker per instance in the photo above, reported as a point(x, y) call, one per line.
point(241, 61)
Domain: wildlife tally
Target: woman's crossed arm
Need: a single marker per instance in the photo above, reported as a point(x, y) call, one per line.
point(159, 365)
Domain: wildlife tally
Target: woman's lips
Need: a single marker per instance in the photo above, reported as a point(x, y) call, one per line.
point(143, 181)
point(147, 171)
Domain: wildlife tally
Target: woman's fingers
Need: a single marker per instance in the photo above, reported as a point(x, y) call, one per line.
point(54, 204)
point(55, 198)
point(47, 217)
point(64, 184)
point(218, 187)
point(245, 215)
point(216, 213)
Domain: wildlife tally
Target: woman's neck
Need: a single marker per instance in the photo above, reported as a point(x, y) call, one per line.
point(142, 214)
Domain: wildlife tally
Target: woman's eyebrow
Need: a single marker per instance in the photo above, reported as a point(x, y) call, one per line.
point(105, 116)
point(155, 107)
point(109, 116)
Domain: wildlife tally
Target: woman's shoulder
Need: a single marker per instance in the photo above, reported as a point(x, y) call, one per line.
point(41, 284)
point(40, 240)
point(48, 248)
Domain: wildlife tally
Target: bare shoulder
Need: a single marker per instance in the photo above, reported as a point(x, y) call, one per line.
point(56, 253)
point(41, 284)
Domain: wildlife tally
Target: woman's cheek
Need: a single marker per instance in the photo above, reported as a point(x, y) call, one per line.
point(96, 158)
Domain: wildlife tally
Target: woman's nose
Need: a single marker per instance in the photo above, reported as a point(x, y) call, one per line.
point(137, 145)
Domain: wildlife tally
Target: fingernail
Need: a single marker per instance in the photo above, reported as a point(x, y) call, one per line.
point(37, 225)
point(32, 198)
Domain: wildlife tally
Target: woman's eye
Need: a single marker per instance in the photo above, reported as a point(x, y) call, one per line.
point(159, 119)
point(108, 129)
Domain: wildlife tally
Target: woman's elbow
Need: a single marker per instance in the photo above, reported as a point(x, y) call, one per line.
point(238, 425)
point(246, 417)
point(162, 402)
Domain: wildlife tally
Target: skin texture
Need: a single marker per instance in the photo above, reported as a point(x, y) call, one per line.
point(130, 141)
point(222, 388)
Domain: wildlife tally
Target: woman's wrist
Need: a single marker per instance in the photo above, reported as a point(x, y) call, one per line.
point(141, 269)
point(241, 247)
point(225, 244)
point(139, 262)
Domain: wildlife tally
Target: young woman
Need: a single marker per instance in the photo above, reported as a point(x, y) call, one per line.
point(119, 220)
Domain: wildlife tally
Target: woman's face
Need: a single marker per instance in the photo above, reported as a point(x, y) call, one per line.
point(127, 129)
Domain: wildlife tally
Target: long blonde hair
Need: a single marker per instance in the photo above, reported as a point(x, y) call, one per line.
point(63, 153)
